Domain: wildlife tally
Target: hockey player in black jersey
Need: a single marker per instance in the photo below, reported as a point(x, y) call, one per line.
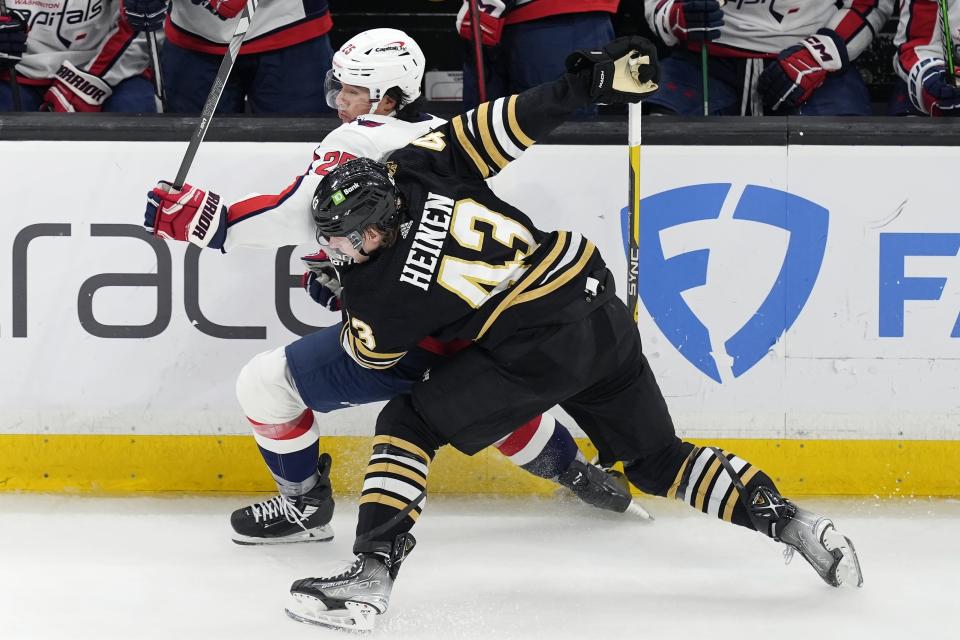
point(424, 247)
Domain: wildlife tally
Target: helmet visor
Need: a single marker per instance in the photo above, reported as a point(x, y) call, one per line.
point(331, 87)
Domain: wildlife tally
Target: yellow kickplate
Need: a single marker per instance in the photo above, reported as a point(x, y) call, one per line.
point(129, 464)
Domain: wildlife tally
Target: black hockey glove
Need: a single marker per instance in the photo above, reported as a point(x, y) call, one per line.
point(13, 40)
point(626, 70)
point(145, 15)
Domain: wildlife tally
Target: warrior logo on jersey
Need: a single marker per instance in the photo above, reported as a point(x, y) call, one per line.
point(674, 261)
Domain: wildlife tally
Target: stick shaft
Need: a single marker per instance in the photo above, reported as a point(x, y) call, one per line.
point(633, 240)
point(213, 98)
point(478, 51)
point(947, 40)
point(705, 77)
point(158, 91)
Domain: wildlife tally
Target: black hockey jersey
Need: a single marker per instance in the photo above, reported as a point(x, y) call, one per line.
point(467, 265)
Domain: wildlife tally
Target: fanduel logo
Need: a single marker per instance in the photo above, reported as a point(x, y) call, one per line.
point(662, 281)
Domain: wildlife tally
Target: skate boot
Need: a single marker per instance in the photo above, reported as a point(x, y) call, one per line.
point(353, 598)
point(601, 488)
point(283, 519)
point(830, 553)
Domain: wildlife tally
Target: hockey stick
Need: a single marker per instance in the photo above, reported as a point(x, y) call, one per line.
point(478, 52)
point(705, 77)
point(158, 93)
point(946, 38)
point(14, 85)
point(213, 98)
point(633, 241)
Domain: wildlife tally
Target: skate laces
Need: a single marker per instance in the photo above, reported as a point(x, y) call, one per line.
point(351, 567)
point(276, 507)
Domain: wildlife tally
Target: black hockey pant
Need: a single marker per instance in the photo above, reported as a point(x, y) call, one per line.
point(595, 370)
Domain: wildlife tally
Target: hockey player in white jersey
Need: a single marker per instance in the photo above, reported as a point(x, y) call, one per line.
point(279, 68)
point(80, 56)
point(375, 86)
point(922, 59)
point(783, 57)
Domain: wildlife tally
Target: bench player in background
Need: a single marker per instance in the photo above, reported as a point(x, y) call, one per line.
point(281, 63)
point(80, 57)
point(546, 326)
point(375, 86)
point(926, 86)
point(784, 58)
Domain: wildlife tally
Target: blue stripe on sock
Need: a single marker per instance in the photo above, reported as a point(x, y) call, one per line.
point(556, 455)
point(293, 467)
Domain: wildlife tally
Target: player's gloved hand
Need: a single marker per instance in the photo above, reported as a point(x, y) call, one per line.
point(190, 214)
point(491, 21)
point(322, 281)
point(625, 70)
point(13, 40)
point(688, 20)
point(931, 90)
point(223, 9)
point(145, 15)
point(75, 91)
point(800, 70)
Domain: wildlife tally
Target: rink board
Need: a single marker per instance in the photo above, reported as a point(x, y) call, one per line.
point(790, 296)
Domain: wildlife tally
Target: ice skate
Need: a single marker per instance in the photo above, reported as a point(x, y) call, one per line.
point(353, 598)
point(829, 552)
point(283, 519)
point(602, 488)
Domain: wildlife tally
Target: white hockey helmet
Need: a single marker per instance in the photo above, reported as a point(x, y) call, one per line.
point(377, 59)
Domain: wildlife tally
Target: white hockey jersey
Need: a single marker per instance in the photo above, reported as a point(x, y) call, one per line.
point(91, 34)
point(764, 28)
point(920, 36)
point(276, 24)
point(285, 218)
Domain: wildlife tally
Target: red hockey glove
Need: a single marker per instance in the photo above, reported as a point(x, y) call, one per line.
point(190, 214)
point(688, 20)
point(74, 90)
point(800, 70)
point(930, 89)
point(322, 281)
point(223, 9)
point(491, 21)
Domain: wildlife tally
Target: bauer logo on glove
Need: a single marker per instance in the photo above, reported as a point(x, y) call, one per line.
point(626, 70)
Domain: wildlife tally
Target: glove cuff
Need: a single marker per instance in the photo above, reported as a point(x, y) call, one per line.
point(828, 49)
point(89, 88)
point(207, 229)
point(662, 24)
point(918, 75)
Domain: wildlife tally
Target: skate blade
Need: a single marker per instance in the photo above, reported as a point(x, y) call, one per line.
point(317, 534)
point(634, 508)
point(356, 617)
point(848, 569)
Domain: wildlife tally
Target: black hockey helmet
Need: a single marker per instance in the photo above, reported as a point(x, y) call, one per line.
point(353, 196)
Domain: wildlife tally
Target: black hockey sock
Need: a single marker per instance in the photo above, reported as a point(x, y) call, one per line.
point(707, 478)
point(394, 489)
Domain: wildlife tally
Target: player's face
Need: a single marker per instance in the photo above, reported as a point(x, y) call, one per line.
point(352, 102)
point(343, 246)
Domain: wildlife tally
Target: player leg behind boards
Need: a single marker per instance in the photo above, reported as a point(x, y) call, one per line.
point(269, 390)
point(412, 426)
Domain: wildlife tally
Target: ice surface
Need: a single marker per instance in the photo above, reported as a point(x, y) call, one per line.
point(143, 568)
